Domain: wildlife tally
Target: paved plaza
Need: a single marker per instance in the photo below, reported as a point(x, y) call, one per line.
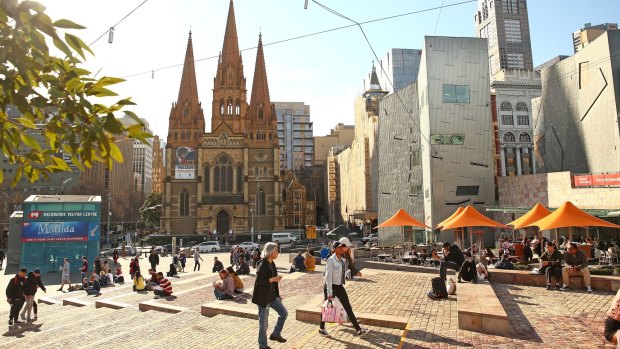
point(538, 318)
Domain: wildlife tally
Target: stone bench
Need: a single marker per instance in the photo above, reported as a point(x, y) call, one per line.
point(479, 309)
point(604, 283)
point(291, 257)
point(75, 302)
point(105, 303)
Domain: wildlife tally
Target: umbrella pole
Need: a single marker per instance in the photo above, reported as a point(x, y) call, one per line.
point(471, 237)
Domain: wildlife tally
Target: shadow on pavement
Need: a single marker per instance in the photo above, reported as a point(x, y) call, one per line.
point(18, 330)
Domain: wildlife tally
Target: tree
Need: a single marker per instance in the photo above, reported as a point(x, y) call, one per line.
point(52, 96)
point(150, 212)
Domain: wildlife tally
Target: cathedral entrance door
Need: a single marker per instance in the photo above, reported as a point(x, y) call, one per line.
point(223, 223)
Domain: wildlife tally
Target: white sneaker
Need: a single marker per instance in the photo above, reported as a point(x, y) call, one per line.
point(590, 289)
point(363, 332)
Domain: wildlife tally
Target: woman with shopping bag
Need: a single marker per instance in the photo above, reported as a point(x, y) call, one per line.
point(334, 288)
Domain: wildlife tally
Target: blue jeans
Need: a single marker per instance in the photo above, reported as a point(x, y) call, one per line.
point(263, 317)
point(219, 294)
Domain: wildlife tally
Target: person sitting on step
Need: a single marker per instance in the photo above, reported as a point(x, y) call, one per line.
point(224, 289)
point(551, 265)
point(575, 264)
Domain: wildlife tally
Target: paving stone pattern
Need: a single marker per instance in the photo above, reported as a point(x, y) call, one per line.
point(538, 319)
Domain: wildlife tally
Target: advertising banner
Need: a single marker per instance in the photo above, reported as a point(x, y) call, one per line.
point(597, 180)
point(184, 163)
point(46, 215)
point(59, 231)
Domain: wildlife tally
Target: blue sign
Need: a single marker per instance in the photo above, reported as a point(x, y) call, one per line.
point(59, 231)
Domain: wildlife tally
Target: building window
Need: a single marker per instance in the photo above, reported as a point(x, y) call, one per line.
point(515, 60)
point(184, 203)
point(513, 30)
point(265, 171)
point(523, 120)
point(229, 109)
point(296, 207)
point(237, 108)
point(505, 106)
point(260, 112)
point(239, 179)
point(261, 202)
point(509, 137)
point(207, 177)
point(508, 120)
point(296, 220)
point(221, 106)
point(467, 190)
point(223, 175)
point(525, 138)
point(510, 6)
point(584, 74)
point(521, 106)
point(455, 93)
point(455, 139)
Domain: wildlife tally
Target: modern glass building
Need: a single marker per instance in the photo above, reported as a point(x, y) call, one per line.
point(59, 226)
point(400, 67)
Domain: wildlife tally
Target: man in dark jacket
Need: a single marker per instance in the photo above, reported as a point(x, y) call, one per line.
point(154, 260)
point(267, 295)
point(217, 265)
point(575, 264)
point(15, 295)
point(452, 258)
point(468, 269)
point(33, 282)
point(244, 268)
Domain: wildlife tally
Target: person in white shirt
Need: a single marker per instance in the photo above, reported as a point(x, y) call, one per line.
point(66, 270)
point(334, 284)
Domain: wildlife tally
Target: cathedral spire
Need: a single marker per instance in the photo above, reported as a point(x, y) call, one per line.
point(187, 123)
point(230, 50)
point(260, 104)
point(188, 91)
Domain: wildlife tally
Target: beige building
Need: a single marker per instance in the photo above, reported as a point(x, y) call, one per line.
point(584, 36)
point(340, 135)
point(158, 166)
point(358, 165)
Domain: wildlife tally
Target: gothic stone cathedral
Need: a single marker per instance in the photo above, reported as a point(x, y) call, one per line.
point(224, 181)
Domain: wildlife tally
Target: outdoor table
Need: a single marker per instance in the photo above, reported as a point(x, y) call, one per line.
point(384, 256)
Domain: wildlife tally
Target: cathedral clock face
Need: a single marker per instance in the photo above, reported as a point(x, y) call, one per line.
point(260, 156)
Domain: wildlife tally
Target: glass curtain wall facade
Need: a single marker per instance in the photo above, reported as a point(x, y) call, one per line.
point(295, 135)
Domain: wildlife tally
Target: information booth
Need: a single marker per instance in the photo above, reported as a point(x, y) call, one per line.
point(56, 227)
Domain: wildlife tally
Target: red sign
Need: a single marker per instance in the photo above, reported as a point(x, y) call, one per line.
point(34, 214)
point(597, 180)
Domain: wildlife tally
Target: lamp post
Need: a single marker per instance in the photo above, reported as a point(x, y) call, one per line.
point(62, 185)
point(258, 203)
point(109, 216)
point(252, 228)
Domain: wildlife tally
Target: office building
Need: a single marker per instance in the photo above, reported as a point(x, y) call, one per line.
point(505, 24)
point(294, 135)
point(158, 166)
point(397, 69)
point(340, 135)
point(587, 34)
point(142, 156)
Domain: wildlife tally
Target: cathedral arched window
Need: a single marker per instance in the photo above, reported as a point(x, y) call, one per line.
point(251, 136)
point(237, 108)
point(265, 171)
point(230, 106)
point(269, 135)
point(176, 135)
point(260, 112)
point(239, 179)
point(223, 175)
point(222, 106)
point(182, 135)
point(184, 203)
point(206, 178)
point(261, 202)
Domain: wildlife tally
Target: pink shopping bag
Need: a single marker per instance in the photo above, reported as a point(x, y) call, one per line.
point(329, 313)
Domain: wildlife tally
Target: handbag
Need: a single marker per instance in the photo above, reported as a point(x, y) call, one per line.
point(329, 313)
point(342, 314)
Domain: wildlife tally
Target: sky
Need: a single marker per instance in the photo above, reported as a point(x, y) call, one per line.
point(325, 71)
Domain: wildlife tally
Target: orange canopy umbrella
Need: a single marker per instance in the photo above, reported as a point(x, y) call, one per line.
point(456, 213)
point(471, 218)
point(537, 212)
point(568, 215)
point(402, 219)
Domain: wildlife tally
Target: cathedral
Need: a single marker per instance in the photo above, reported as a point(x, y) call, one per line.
point(226, 182)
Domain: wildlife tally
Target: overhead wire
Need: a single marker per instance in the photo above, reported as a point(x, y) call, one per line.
point(117, 23)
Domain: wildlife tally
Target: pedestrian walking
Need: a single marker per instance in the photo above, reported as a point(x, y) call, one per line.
point(267, 295)
point(97, 266)
point(33, 282)
point(115, 258)
point(66, 272)
point(197, 259)
point(235, 257)
point(335, 270)
point(15, 295)
point(183, 260)
point(154, 260)
point(2, 256)
point(84, 268)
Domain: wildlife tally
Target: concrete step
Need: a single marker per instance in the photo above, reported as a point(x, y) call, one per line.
point(83, 329)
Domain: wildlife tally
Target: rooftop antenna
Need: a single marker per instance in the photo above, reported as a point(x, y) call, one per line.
point(306, 5)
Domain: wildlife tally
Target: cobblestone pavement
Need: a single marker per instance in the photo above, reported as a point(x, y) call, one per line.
point(538, 319)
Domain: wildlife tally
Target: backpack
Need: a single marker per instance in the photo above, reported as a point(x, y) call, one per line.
point(439, 289)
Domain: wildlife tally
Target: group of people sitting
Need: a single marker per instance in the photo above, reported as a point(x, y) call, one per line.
point(304, 261)
point(161, 286)
point(230, 283)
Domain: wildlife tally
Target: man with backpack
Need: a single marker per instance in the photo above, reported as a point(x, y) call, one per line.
point(15, 295)
point(154, 260)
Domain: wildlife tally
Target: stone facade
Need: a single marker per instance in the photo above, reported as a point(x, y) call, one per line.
point(158, 166)
point(212, 188)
